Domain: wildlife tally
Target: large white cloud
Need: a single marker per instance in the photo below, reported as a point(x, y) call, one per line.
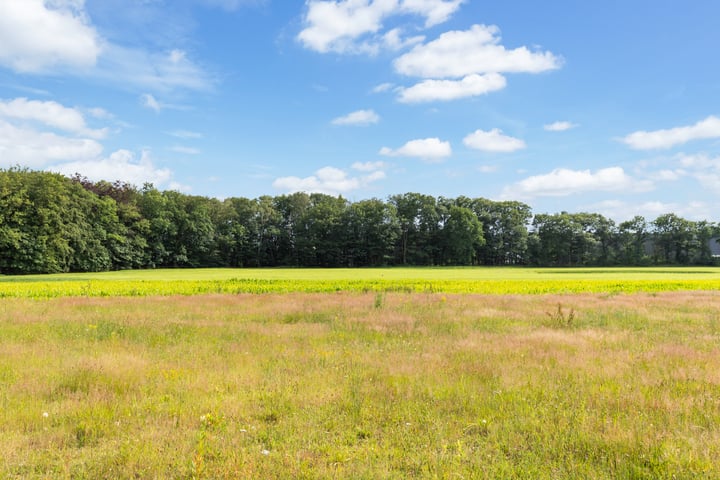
point(563, 182)
point(35, 133)
point(456, 54)
point(28, 147)
point(51, 136)
point(37, 35)
point(493, 141)
point(333, 26)
point(668, 138)
point(49, 113)
point(470, 86)
point(330, 180)
point(429, 149)
point(352, 26)
point(50, 36)
point(358, 118)
point(120, 165)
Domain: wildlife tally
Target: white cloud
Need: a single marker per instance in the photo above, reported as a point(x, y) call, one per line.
point(493, 141)
point(703, 168)
point(355, 26)
point(456, 54)
point(667, 175)
point(368, 166)
point(699, 161)
point(154, 71)
point(559, 126)
point(100, 113)
point(393, 40)
point(469, 86)
point(120, 165)
point(185, 134)
point(429, 149)
point(621, 211)
point(332, 26)
point(49, 36)
point(29, 147)
point(359, 117)
point(25, 140)
point(185, 150)
point(383, 87)
point(329, 180)
point(37, 35)
point(563, 182)
point(49, 113)
point(434, 11)
point(663, 139)
point(487, 168)
point(149, 101)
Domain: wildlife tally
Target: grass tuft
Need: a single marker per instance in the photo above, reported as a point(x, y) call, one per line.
point(560, 319)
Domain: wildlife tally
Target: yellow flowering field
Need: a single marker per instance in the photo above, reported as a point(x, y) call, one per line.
point(495, 281)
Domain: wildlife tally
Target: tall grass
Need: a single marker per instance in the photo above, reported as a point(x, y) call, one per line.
point(350, 385)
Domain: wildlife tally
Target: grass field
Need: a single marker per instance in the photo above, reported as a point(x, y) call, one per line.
point(362, 384)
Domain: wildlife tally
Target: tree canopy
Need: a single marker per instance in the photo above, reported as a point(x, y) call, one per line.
point(51, 223)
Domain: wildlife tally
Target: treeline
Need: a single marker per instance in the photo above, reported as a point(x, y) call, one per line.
point(51, 223)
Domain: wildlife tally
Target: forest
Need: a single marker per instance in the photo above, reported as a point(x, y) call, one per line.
point(50, 223)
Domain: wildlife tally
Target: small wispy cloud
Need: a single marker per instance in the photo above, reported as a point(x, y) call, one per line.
point(493, 141)
point(149, 101)
point(185, 150)
point(186, 134)
point(357, 118)
point(560, 126)
point(429, 149)
point(383, 87)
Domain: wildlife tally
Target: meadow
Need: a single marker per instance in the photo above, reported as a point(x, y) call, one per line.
point(386, 378)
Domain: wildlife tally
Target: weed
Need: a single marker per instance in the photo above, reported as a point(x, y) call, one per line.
point(560, 319)
point(379, 300)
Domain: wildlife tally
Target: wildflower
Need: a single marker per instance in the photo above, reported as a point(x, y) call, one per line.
point(265, 452)
point(46, 414)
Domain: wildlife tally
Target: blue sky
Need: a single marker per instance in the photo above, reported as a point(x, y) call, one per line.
point(610, 107)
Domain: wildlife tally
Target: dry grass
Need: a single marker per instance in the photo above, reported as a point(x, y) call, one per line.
point(356, 385)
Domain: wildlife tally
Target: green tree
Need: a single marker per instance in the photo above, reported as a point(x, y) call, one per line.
point(462, 233)
point(673, 238)
point(419, 223)
point(371, 229)
point(632, 236)
point(504, 230)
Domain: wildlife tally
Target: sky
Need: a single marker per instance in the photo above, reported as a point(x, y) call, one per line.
point(609, 107)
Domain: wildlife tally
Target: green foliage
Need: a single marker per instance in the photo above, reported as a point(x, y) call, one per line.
point(50, 223)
